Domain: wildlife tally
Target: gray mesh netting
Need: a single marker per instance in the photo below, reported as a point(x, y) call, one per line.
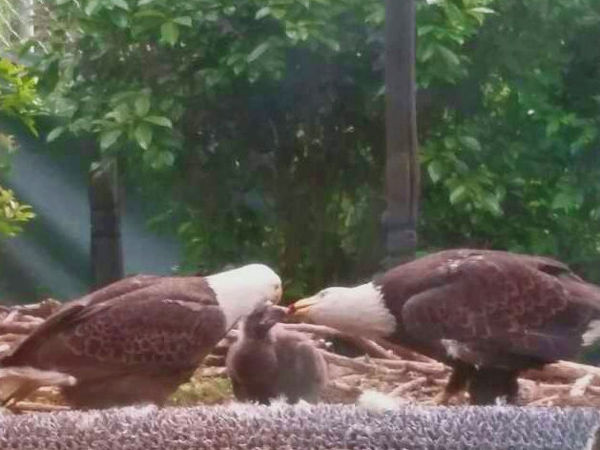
point(241, 426)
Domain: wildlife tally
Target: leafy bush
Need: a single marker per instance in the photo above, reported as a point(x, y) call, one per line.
point(257, 126)
point(17, 99)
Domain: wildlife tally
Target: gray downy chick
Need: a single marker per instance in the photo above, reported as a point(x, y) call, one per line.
point(268, 361)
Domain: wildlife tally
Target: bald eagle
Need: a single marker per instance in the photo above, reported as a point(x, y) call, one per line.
point(136, 340)
point(488, 314)
point(268, 361)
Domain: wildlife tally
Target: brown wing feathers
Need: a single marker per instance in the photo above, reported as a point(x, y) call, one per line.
point(115, 340)
point(532, 306)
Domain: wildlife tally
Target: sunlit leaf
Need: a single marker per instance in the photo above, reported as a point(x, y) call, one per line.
point(258, 51)
point(159, 120)
point(482, 10)
point(435, 170)
point(186, 21)
point(169, 32)
point(55, 134)
point(262, 12)
point(121, 4)
point(143, 135)
point(448, 55)
point(470, 142)
point(142, 106)
point(108, 138)
point(458, 194)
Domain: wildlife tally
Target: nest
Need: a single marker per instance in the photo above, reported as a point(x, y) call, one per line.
point(382, 366)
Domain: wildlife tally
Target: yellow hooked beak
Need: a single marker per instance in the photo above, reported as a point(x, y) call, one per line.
point(301, 308)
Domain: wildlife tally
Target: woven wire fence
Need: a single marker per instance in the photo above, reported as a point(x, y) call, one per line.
point(22, 21)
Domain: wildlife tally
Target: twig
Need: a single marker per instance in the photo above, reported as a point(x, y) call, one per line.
point(344, 387)
point(368, 346)
point(17, 327)
point(403, 351)
point(214, 361)
point(406, 387)
point(581, 384)
point(38, 407)
point(212, 371)
point(544, 401)
point(434, 368)
point(344, 361)
point(563, 369)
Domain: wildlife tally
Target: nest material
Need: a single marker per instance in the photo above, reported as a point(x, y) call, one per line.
point(384, 367)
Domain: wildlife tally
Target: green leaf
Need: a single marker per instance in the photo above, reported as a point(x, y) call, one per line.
point(448, 55)
point(435, 170)
point(491, 203)
point(150, 14)
point(143, 135)
point(121, 4)
point(470, 142)
point(258, 51)
point(552, 127)
point(142, 105)
point(62, 2)
point(108, 138)
point(120, 19)
point(331, 43)
point(159, 120)
point(55, 134)
point(482, 10)
point(425, 29)
point(166, 158)
point(169, 32)
point(458, 194)
point(91, 7)
point(426, 53)
point(145, 2)
point(186, 21)
point(262, 12)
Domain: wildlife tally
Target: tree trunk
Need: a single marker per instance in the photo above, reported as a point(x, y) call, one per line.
point(106, 251)
point(402, 166)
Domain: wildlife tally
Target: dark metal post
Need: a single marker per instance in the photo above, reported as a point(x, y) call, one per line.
point(106, 250)
point(402, 166)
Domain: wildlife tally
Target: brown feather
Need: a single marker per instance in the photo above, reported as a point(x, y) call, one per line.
point(493, 309)
point(133, 341)
point(268, 361)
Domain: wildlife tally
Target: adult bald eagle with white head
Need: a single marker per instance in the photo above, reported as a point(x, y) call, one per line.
point(488, 314)
point(135, 340)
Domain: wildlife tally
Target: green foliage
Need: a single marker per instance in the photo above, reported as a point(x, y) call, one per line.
point(203, 391)
point(17, 99)
point(12, 214)
point(515, 164)
point(257, 126)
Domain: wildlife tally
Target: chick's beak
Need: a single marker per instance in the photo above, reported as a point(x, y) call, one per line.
point(302, 307)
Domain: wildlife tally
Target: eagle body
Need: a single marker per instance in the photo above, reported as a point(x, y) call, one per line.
point(137, 339)
point(488, 314)
point(268, 361)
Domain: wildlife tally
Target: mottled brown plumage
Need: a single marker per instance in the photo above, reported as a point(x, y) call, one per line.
point(268, 361)
point(135, 340)
point(489, 314)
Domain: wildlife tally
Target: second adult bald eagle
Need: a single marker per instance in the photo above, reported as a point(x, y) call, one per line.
point(137, 339)
point(488, 314)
